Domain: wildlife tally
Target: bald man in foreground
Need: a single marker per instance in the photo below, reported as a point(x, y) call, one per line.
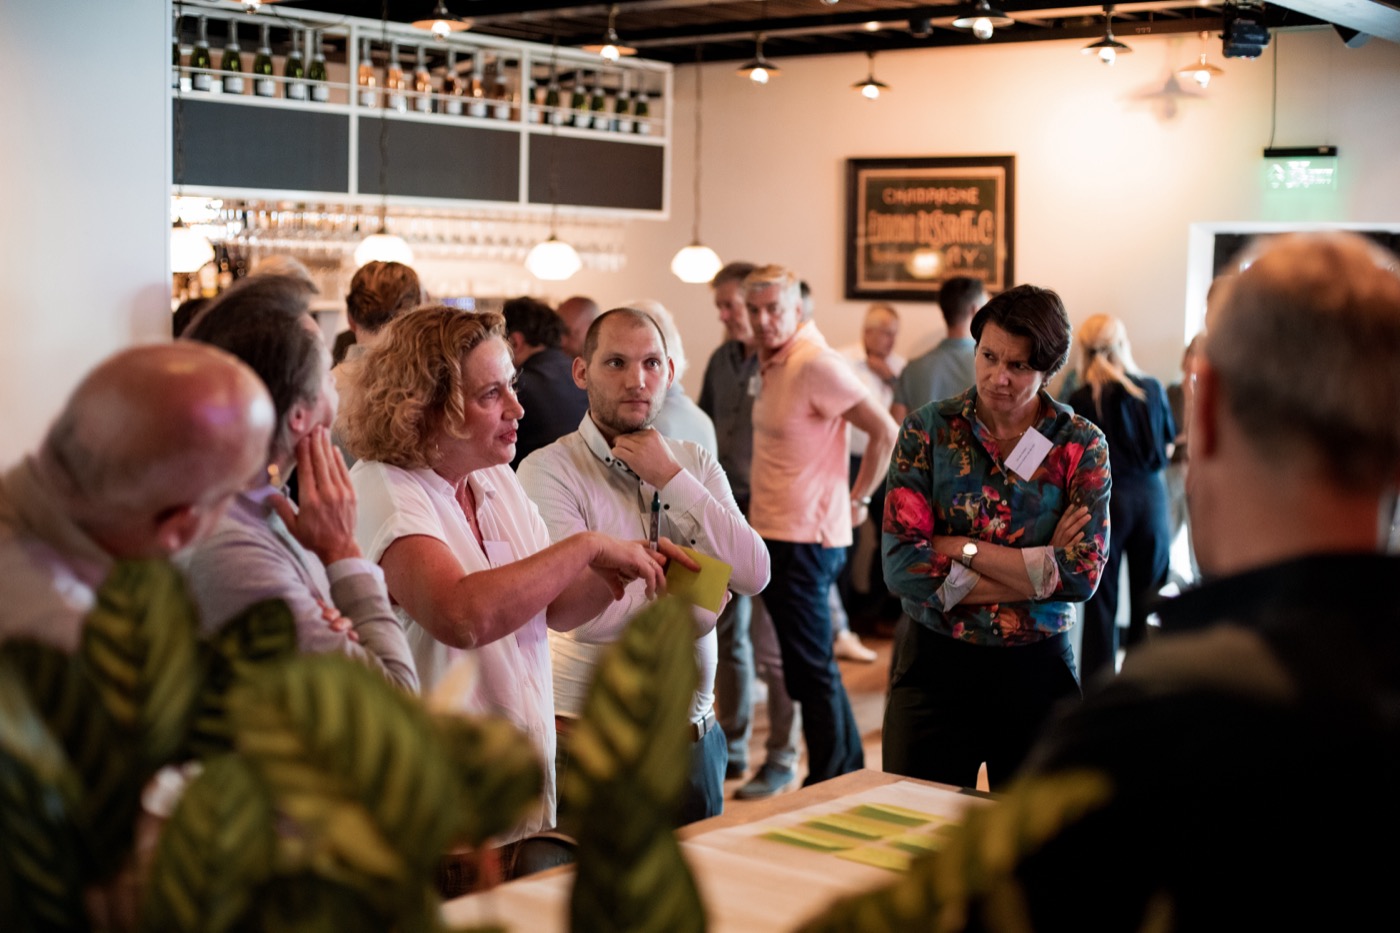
point(141, 463)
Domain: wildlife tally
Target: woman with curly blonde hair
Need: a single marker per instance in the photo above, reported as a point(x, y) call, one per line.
point(466, 556)
point(1132, 411)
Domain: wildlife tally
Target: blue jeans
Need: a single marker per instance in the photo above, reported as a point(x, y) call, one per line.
point(796, 599)
point(704, 785)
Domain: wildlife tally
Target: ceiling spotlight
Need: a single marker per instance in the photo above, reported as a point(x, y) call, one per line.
point(872, 26)
point(1202, 71)
point(921, 27)
point(1108, 48)
point(759, 69)
point(442, 22)
point(982, 19)
point(611, 47)
point(870, 88)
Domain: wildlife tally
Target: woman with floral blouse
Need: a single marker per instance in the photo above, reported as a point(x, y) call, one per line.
point(996, 520)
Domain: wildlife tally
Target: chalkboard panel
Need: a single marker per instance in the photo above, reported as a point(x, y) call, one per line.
point(231, 146)
point(597, 172)
point(436, 160)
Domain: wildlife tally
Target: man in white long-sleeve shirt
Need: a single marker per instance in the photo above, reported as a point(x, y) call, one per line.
point(603, 477)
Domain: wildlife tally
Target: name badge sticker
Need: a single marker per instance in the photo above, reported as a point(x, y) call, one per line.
point(1029, 454)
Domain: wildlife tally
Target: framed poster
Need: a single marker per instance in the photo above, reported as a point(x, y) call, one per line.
point(911, 223)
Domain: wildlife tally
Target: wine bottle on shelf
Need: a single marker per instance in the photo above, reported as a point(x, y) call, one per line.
point(598, 105)
point(453, 87)
point(578, 101)
point(201, 62)
point(422, 85)
point(642, 111)
point(365, 78)
point(320, 80)
point(622, 121)
point(553, 114)
point(395, 84)
point(478, 106)
point(264, 84)
point(232, 63)
point(175, 55)
point(500, 92)
point(294, 70)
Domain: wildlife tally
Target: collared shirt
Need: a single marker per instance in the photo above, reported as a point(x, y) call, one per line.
point(801, 466)
point(512, 677)
point(880, 390)
point(947, 478)
point(251, 556)
point(49, 568)
point(942, 372)
point(727, 396)
point(580, 486)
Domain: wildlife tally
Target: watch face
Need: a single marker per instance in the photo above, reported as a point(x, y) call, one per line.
point(969, 549)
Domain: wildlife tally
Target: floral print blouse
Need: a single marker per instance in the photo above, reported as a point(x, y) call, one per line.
point(947, 478)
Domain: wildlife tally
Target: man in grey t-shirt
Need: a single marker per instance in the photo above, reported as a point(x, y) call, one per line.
point(946, 370)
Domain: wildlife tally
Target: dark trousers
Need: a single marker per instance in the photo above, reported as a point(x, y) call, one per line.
point(1138, 531)
point(953, 705)
point(796, 598)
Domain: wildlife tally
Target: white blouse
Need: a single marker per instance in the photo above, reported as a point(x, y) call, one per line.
point(512, 674)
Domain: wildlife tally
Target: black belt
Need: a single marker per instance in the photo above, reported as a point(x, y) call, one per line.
point(698, 730)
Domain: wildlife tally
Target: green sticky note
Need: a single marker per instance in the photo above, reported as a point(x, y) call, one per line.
point(888, 859)
point(901, 816)
point(809, 839)
point(704, 589)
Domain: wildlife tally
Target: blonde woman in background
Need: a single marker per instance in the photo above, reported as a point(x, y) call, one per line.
point(1132, 411)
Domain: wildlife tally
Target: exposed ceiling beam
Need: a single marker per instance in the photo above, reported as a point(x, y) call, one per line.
point(1372, 17)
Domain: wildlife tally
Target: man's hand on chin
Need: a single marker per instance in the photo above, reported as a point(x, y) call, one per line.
point(648, 455)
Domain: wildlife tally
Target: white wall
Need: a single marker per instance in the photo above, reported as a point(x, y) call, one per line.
point(1108, 183)
point(83, 197)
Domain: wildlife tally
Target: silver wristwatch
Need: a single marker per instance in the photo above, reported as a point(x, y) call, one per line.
point(969, 551)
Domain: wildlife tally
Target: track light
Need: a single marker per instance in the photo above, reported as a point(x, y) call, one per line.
point(1202, 71)
point(759, 69)
point(442, 22)
point(1108, 48)
point(870, 88)
point(611, 48)
point(983, 19)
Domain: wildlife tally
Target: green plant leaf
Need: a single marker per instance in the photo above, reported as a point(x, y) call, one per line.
point(40, 875)
point(139, 645)
point(631, 752)
point(498, 775)
point(262, 633)
point(311, 904)
point(105, 808)
point(357, 766)
point(214, 852)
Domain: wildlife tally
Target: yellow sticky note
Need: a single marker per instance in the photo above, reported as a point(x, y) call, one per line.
point(704, 589)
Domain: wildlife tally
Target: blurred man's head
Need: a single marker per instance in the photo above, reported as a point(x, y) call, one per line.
point(728, 287)
point(264, 322)
point(958, 299)
point(153, 444)
point(577, 313)
point(1298, 389)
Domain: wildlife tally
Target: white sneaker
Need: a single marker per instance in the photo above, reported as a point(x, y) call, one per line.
point(847, 647)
